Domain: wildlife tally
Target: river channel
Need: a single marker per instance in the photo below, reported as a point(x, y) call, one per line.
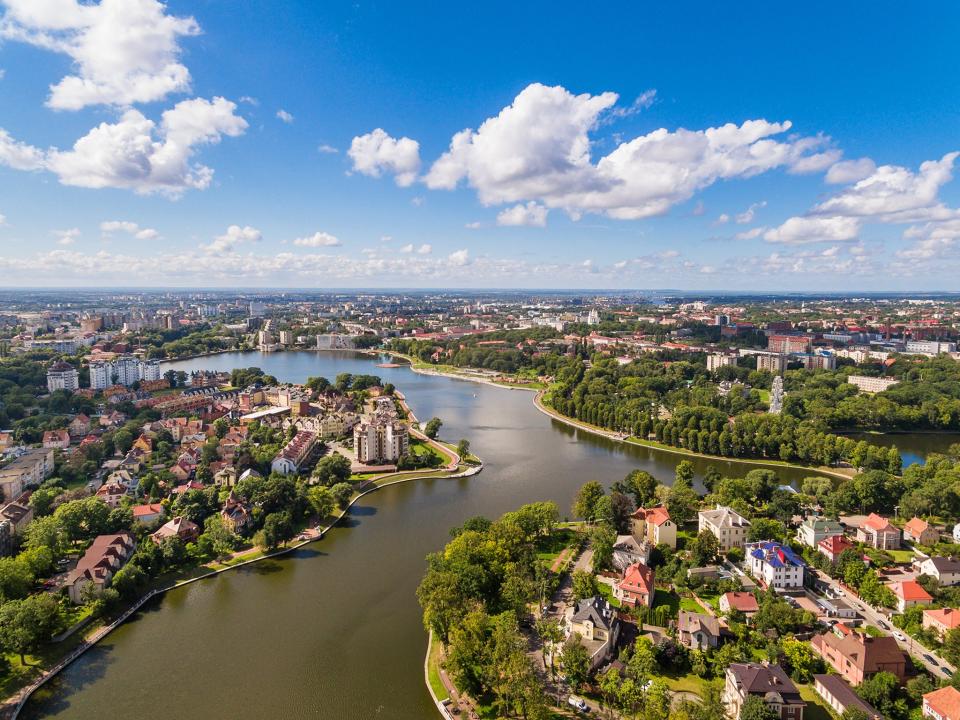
point(333, 630)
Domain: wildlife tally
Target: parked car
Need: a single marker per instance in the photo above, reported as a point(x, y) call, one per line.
point(900, 636)
point(578, 703)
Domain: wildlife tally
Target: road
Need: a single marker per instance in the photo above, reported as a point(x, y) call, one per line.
point(938, 667)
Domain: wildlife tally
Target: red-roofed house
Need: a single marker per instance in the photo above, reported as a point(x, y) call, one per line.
point(179, 527)
point(832, 546)
point(655, 526)
point(879, 532)
point(637, 586)
point(744, 602)
point(102, 559)
point(857, 656)
point(59, 439)
point(79, 426)
point(920, 532)
point(909, 593)
point(148, 514)
point(941, 620)
point(942, 704)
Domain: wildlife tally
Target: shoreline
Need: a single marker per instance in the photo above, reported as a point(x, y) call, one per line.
point(616, 437)
point(13, 705)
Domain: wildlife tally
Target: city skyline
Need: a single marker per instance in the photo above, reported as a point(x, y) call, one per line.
point(381, 147)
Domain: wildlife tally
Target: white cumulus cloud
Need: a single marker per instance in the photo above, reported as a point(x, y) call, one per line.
point(108, 227)
point(284, 116)
point(539, 148)
point(67, 237)
point(123, 51)
point(135, 153)
point(318, 239)
point(849, 171)
point(235, 235)
point(459, 258)
point(802, 230)
point(532, 214)
point(376, 153)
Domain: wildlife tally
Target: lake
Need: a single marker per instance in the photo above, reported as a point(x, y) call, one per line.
point(334, 630)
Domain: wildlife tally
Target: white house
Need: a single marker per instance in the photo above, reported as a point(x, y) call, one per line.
point(777, 565)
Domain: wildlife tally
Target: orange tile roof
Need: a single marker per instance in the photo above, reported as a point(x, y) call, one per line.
point(875, 522)
point(948, 617)
point(945, 702)
point(638, 578)
point(910, 590)
point(916, 526)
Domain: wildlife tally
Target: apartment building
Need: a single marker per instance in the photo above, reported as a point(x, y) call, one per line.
point(63, 376)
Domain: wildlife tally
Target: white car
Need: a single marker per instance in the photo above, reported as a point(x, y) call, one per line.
point(900, 636)
point(578, 703)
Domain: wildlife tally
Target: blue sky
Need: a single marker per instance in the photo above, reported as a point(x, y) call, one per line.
point(302, 144)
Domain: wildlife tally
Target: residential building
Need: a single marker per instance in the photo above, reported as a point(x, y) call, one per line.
point(946, 570)
point(112, 493)
point(28, 468)
point(636, 587)
point(56, 439)
point(62, 376)
point(18, 513)
point(381, 437)
point(715, 361)
point(920, 532)
point(941, 620)
point(942, 704)
point(767, 682)
point(627, 550)
point(841, 697)
point(832, 546)
point(871, 384)
point(776, 565)
point(79, 426)
point(596, 622)
point(727, 525)
point(857, 656)
point(99, 563)
point(295, 453)
point(236, 515)
point(179, 527)
point(772, 362)
point(929, 347)
point(148, 513)
point(745, 602)
point(815, 528)
point(655, 526)
point(123, 370)
point(698, 631)
point(879, 532)
point(786, 344)
point(909, 593)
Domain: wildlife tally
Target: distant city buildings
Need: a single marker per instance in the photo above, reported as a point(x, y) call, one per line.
point(123, 370)
point(715, 361)
point(871, 384)
point(63, 376)
point(381, 437)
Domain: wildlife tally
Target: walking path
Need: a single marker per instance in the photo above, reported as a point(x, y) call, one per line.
point(623, 438)
point(14, 704)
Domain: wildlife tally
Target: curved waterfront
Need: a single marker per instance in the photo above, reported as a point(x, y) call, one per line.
point(333, 630)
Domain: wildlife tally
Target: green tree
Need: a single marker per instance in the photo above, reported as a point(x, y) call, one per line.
point(705, 549)
point(432, 428)
point(602, 540)
point(754, 708)
point(341, 492)
point(575, 661)
point(321, 500)
point(26, 625)
point(584, 585)
point(586, 500)
point(463, 448)
point(643, 661)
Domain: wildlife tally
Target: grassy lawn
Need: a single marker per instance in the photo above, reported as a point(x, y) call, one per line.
point(901, 556)
point(685, 683)
point(550, 546)
point(688, 603)
point(815, 709)
point(873, 631)
point(433, 670)
point(606, 592)
point(670, 599)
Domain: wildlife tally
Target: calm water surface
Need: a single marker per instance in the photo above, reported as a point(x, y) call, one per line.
point(334, 630)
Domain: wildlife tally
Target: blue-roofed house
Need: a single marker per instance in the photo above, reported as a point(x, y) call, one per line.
point(776, 565)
